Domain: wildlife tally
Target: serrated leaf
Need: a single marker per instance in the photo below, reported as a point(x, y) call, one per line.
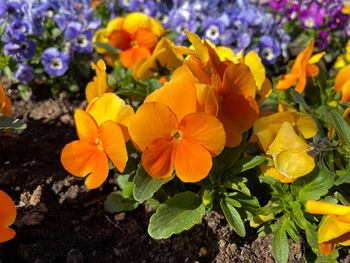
point(280, 246)
point(341, 125)
point(317, 187)
point(247, 163)
point(9, 123)
point(145, 185)
point(233, 217)
point(179, 213)
point(107, 47)
point(116, 203)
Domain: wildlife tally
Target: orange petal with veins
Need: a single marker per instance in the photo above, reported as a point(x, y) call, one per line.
point(192, 161)
point(158, 158)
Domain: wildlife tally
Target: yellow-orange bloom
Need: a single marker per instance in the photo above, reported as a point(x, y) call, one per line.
point(102, 132)
point(343, 58)
point(136, 36)
point(163, 54)
point(224, 89)
point(342, 83)
point(303, 67)
point(7, 217)
point(278, 137)
point(99, 85)
point(5, 103)
point(335, 228)
point(171, 134)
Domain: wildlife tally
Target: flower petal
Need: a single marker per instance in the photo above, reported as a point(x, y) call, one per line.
point(316, 58)
point(204, 129)
point(120, 39)
point(287, 81)
point(113, 143)
point(179, 95)
point(152, 120)
point(7, 211)
point(341, 78)
point(312, 70)
point(253, 61)
point(134, 21)
point(146, 38)
point(323, 208)
point(132, 57)
point(86, 126)
point(293, 164)
point(192, 161)
point(77, 157)
point(109, 107)
point(238, 79)
point(326, 248)
point(100, 169)
point(345, 92)
point(287, 140)
point(331, 228)
point(306, 125)
point(158, 158)
point(6, 234)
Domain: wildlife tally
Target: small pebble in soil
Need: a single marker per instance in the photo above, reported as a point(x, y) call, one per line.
point(120, 217)
point(75, 256)
point(203, 252)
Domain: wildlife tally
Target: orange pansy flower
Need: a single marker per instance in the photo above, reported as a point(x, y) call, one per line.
point(102, 132)
point(99, 84)
point(5, 103)
point(136, 35)
point(7, 217)
point(170, 133)
point(342, 83)
point(303, 67)
point(335, 228)
point(224, 89)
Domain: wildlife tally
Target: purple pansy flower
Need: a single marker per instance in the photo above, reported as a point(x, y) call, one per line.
point(213, 28)
point(312, 17)
point(20, 49)
point(80, 38)
point(55, 63)
point(278, 4)
point(322, 39)
point(24, 73)
point(269, 49)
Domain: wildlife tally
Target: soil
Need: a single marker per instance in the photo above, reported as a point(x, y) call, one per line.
point(59, 220)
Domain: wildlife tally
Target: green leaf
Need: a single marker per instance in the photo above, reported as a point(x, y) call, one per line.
point(128, 190)
point(238, 183)
point(233, 217)
point(341, 125)
point(247, 163)
point(280, 246)
point(116, 203)
point(179, 213)
point(292, 230)
point(317, 187)
point(9, 123)
point(107, 47)
point(145, 185)
point(122, 179)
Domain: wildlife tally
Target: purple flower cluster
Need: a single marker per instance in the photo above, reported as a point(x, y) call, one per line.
point(29, 24)
point(325, 17)
point(238, 24)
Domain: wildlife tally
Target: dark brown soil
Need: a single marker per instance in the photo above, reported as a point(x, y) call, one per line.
point(59, 220)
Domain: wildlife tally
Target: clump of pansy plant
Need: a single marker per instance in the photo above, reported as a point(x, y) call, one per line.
point(327, 21)
point(201, 126)
point(239, 24)
point(41, 40)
